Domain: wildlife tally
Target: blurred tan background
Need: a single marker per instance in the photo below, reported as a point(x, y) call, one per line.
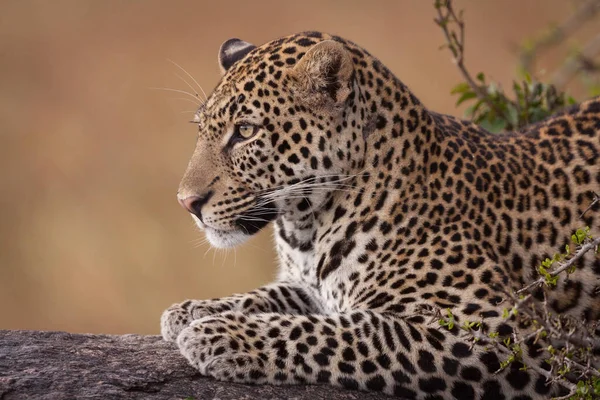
point(91, 236)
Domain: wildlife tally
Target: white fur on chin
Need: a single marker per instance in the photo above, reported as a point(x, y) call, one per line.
point(219, 238)
point(225, 239)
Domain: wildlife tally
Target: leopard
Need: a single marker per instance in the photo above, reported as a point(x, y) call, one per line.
point(381, 208)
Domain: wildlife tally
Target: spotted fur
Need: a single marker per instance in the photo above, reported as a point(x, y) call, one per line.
point(381, 207)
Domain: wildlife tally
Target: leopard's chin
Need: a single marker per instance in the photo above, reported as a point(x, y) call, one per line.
point(225, 239)
point(221, 238)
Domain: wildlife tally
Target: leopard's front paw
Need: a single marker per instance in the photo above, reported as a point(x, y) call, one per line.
point(180, 315)
point(217, 347)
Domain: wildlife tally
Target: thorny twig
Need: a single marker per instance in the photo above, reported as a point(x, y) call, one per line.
point(479, 336)
point(595, 201)
point(456, 43)
point(493, 109)
point(589, 245)
point(538, 314)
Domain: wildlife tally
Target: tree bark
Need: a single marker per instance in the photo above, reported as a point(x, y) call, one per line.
point(60, 365)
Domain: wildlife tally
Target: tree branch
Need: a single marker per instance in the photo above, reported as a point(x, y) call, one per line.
point(584, 13)
point(456, 43)
point(595, 200)
point(580, 252)
point(580, 61)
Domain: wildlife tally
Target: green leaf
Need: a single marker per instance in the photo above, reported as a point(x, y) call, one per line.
point(481, 77)
point(461, 88)
point(495, 126)
point(519, 92)
point(580, 236)
point(537, 114)
point(472, 110)
point(512, 115)
point(465, 96)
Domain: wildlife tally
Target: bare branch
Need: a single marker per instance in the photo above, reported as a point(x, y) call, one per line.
point(584, 13)
point(456, 43)
point(499, 346)
point(592, 204)
point(577, 63)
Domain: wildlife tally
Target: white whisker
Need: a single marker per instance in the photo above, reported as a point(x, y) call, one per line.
point(185, 99)
point(189, 85)
point(191, 77)
point(252, 219)
point(198, 103)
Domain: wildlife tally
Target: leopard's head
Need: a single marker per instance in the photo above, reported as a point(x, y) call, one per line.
point(275, 136)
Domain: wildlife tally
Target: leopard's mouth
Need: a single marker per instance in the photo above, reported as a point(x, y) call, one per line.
point(246, 225)
point(257, 217)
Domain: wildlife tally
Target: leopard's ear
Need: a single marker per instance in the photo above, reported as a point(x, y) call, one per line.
point(325, 72)
point(231, 51)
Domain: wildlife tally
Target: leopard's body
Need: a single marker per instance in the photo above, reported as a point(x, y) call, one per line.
point(381, 207)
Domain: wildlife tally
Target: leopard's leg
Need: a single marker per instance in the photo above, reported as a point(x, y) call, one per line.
point(281, 297)
point(360, 350)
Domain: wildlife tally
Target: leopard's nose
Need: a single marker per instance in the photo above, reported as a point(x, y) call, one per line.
point(194, 204)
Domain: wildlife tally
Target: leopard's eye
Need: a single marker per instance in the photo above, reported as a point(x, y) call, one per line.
point(246, 131)
point(241, 133)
